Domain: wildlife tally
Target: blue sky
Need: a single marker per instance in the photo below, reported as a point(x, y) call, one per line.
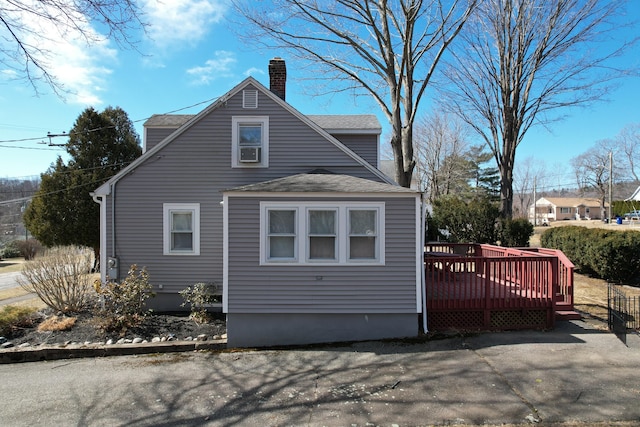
point(191, 56)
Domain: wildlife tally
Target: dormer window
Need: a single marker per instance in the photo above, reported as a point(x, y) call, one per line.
point(250, 141)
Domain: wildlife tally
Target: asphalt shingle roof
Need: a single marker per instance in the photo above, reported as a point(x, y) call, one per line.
point(168, 120)
point(346, 122)
point(327, 122)
point(320, 183)
point(573, 201)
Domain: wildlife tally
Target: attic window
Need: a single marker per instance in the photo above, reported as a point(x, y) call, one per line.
point(249, 99)
point(250, 141)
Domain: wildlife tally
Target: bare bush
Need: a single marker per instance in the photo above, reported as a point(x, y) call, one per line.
point(199, 297)
point(61, 278)
point(123, 305)
point(29, 248)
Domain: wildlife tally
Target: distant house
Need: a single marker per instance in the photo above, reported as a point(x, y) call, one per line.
point(289, 213)
point(549, 209)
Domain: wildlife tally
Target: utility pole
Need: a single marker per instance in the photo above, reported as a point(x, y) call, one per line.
point(610, 183)
point(535, 203)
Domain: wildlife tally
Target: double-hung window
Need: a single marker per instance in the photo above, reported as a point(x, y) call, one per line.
point(250, 141)
point(363, 234)
point(281, 235)
point(181, 223)
point(322, 233)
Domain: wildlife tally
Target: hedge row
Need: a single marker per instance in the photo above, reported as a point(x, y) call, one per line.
point(611, 255)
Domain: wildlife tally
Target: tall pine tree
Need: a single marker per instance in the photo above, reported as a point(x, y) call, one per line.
point(62, 211)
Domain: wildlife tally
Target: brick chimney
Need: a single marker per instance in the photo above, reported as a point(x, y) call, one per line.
point(278, 77)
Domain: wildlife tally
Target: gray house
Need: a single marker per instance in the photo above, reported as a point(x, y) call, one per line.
point(289, 213)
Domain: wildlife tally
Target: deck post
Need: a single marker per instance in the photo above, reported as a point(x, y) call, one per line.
point(487, 295)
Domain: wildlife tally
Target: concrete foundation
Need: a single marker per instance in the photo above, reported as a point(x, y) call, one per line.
point(263, 330)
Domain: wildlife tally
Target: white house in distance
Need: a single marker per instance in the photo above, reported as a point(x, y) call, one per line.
point(549, 209)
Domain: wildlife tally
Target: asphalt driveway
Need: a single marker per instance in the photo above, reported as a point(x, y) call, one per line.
point(573, 374)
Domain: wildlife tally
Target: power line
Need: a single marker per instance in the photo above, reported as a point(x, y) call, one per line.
point(27, 198)
point(31, 148)
point(50, 135)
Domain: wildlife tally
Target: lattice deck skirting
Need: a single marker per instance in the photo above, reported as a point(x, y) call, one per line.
point(497, 320)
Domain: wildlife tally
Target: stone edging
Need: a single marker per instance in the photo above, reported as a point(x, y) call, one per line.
point(77, 351)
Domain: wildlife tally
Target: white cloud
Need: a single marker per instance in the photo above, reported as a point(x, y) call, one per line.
point(219, 66)
point(71, 51)
point(253, 71)
point(7, 74)
point(178, 21)
point(82, 70)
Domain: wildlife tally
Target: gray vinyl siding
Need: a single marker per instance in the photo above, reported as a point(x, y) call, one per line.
point(366, 146)
point(389, 288)
point(154, 136)
point(196, 168)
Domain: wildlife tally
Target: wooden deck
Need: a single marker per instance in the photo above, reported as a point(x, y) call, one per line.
point(489, 287)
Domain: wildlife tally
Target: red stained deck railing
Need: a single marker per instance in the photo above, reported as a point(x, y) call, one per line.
point(489, 287)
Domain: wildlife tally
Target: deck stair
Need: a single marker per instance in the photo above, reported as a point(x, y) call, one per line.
point(564, 310)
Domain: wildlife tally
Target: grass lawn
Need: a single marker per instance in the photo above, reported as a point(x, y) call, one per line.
point(10, 265)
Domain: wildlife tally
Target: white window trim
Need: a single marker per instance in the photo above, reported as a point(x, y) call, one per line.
point(307, 237)
point(349, 235)
point(265, 233)
point(236, 121)
point(302, 247)
point(167, 209)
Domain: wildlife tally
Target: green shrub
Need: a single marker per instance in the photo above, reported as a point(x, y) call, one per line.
point(60, 278)
point(198, 297)
point(515, 233)
point(11, 250)
point(461, 221)
point(14, 317)
point(616, 257)
point(123, 305)
point(611, 255)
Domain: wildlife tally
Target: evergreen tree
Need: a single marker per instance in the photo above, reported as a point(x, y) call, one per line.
point(62, 211)
point(486, 179)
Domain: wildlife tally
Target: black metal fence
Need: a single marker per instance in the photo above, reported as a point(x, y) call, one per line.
point(624, 312)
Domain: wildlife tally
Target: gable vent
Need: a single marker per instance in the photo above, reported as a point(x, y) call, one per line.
point(249, 99)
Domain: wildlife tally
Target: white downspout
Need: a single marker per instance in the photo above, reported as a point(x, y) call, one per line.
point(103, 234)
point(422, 275)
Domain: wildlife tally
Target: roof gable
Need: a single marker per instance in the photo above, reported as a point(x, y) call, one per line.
point(185, 122)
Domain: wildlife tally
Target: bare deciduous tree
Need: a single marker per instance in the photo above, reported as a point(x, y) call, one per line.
point(25, 26)
point(387, 49)
point(437, 137)
point(593, 168)
point(521, 61)
point(629, 141)
point(528, 178)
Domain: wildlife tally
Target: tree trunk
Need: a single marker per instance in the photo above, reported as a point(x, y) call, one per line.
point(402, 146)
point(96, 260)
point(506, 184)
